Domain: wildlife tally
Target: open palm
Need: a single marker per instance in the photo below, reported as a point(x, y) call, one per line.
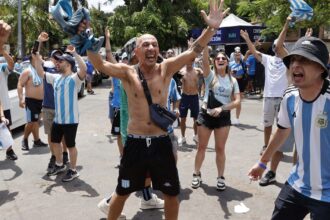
point(214, 18)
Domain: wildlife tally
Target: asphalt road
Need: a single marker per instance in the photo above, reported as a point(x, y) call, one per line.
point(27, 193)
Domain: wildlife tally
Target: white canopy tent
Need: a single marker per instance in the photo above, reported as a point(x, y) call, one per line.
point(233, 21)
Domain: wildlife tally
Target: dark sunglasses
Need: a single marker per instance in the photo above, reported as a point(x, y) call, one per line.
point(220, 58)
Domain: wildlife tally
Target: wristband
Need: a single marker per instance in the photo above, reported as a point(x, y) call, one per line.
point(262, 165)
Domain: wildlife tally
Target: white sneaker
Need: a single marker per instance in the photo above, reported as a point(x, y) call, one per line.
point(182, 140)
point(153, 203)
point(195, 138)
point(105, 207)
point(235, 121)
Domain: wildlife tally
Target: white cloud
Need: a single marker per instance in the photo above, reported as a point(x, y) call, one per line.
point(105, 7)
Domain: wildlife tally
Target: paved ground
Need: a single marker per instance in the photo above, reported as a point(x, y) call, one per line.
point(26, 193)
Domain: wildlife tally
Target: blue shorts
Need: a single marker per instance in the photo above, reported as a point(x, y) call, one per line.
point(189, 102)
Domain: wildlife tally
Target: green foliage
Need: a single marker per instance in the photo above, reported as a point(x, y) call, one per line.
point(274, 13)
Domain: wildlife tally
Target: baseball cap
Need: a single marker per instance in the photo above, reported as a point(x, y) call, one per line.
point(52, 54)
point(311, 48)
point(69, 59)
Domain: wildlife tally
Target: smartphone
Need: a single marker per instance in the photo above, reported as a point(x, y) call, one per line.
point(35, 47)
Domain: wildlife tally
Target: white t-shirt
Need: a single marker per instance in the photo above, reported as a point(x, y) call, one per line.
point(276, 80)
point(4, 96)
point(66, 97)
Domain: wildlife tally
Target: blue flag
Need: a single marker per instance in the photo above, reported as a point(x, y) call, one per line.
point(300, 11)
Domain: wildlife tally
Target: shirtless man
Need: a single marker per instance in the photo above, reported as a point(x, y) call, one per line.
point(32, 103)
point(189, 100)
point(148, 149)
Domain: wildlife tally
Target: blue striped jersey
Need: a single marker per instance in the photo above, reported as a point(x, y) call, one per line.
point(66, 97)
point(310, 124)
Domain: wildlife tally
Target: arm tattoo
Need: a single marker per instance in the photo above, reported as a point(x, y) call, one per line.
point(197, 48)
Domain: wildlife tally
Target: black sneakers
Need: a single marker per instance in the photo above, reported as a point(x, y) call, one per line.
point(56, 170)
point(70, 175)
point(269, 178)
point(25, 145)
point(10, 155)
point(65, 157)
point(51, 163)
point(196, 181)
point(39, 143)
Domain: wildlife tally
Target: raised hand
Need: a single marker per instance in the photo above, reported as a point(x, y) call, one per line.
point(70, 49)
point(43, 37)
point(244, 34)
point(107, 32)
point(214, 18)
point(4, 32)
point(309, 32)
point(190, 42)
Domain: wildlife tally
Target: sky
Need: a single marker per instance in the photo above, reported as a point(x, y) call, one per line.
point(105, 8)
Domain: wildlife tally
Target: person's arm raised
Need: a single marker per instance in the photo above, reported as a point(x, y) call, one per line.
point(279, 47)
point(81, 63)
point(206, 62)
point(108, 54)
point(8, 58)
point(213, 20)
point(252, 49)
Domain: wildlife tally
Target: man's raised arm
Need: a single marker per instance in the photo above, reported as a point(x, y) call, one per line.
point(252, 48)
point(213, 20)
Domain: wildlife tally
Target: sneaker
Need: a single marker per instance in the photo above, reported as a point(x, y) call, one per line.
point(39, 143)
point(235, 121)
point(65, 158)
point(269, 178)
point(56, 170)
point(182, 140)
point(91, 92)
point(104, 206)
point(51, 163)
point(262, 150)
point(196, 181)
point(25, 145)
point(195, 138)
point(10, 155)
point(70, 175)
point(221, 186)
point(153, 203)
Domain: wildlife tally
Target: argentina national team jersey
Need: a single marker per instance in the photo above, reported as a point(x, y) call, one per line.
point(310, 123)
point(66, 97)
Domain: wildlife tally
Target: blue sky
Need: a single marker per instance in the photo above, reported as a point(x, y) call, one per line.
point(106, 8)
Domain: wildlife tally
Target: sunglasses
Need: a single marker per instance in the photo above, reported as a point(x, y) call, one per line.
point(220, 58)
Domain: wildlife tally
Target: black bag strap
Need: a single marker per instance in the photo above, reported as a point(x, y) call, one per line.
point(144, 84)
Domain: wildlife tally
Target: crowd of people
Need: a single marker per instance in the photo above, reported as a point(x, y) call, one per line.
point(147, 87)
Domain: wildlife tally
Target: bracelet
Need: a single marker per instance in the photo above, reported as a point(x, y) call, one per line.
point(262, 165)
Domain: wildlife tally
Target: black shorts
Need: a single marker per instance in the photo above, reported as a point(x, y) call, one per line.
point(33, 109)
point(8, 116)
point(241, 84)
point(69, 131)
point(293, 205)
point(189, 102)
point(115, 130)
point(213, 122)
point(143, 156)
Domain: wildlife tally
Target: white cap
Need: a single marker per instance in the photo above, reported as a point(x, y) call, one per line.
point(124, 55)
point(237, 49)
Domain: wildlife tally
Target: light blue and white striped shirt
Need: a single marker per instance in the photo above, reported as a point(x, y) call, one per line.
point(310, 124)
point(66, 97)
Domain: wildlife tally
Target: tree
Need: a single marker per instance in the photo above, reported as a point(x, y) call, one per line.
point(274, 13)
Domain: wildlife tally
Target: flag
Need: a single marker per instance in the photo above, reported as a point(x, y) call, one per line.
point(300, 11)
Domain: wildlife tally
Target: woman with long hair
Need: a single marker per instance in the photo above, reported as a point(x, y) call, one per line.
point(221, 95)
